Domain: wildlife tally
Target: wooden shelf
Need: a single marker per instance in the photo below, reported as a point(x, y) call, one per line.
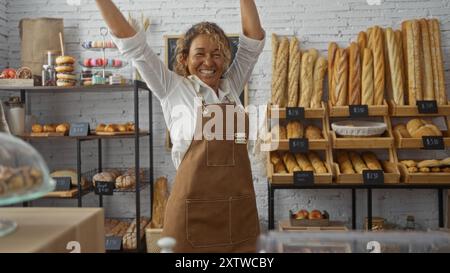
point(423, 178)
point(64, 89)
point(383, 142)
point(310, 113)
point(283, 144)
point(392, 177)
point(72, 193)
point(343, 111)
point(411, 110)
point(89, 137)
point(415, 143)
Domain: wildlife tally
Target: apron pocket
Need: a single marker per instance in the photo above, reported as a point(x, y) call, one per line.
point(208, 222)
point(220, 153)
point(244, 219)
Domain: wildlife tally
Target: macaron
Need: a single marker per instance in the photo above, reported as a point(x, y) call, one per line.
point(87, 62)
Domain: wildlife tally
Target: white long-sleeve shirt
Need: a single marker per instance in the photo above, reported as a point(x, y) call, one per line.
point(178, 94)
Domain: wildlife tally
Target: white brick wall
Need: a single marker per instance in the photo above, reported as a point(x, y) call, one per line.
point(3, 35)
point(314, 22)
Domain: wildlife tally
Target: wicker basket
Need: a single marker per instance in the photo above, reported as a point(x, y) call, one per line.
point(152, 235)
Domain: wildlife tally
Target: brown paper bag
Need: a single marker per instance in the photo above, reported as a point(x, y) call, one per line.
point(38, 36)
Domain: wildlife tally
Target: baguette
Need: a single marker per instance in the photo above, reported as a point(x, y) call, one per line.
point(294, 70)
point(367, 78)
point(378, 66)
point(354, 86)
point(340, 76)
point(275, 46)
point(304, 163)
point(427, 80)
point(314, 54)
point(345, 165)
point(370, 38)
point(306, 79)
point(439, 78)
point(387, 70)
point(279, 168)
point(275, 158)
point(291, 164)
point(357, 162)
point(317, 163)
point(395, 67)
point(320, 69)
point(362, 40)
point(399, 41)
point(412, 30)
point(371, 161)
point(332, 49)
point(281, 74)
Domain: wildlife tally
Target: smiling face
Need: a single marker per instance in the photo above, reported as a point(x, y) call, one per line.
point(206, 60)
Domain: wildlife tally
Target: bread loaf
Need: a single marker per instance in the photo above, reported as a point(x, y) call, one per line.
point(427, 79)
point(332, 49)
point(445, 161)
point(278, 132)
point(303, 162)
point(320, 69)
point(429, 163)
point(354, 87)
point(290, 163)
point(387, 70)
point(279, 168)
point(367, 78)
point(395, 67)
point(37, 128)
point(357, 162)
point(362, 41)
point(401, 129)
point(294, 73)
point(317, 163)
point(294, 129)
point(125, 182)
point(314, 54)
point(399, 40)
point(160, 197)
point(418, 128)
point(307, 83)
point(370, 38)
point(49, 128)
point(275, 46)
point(313, 132)
point(281, 73)
point(104, 177)
point(345, 165)
point(371, 161)
point(413, 49)
point(437, 62)
point(378, 66)
point(409, 163)
point(340, 76)
point(275, 158)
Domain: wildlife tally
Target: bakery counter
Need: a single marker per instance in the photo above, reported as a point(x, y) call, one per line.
point(54, 230)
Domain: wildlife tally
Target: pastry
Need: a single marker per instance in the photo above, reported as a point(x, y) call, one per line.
point(367, 78)
point(445, 170)
point(294, 129)
point(122, 128)
point(436, 170)
point(437, 62)
point(125, 181)
point(340, 76)
point(412, 169)
point(332, 49)
point(395, 67)
point(371, 161)
point(401, 129)
point(354, 86)
point(63, 128)
point(100, 128)
point(317, 163)
point(424, 170)
point(37, 128)
point(290, 163)
point(49, 128)
point(320, 69)
point(313, 132)
point(427, 79)
point(357, 162)
point(307, 81)
point(409, 163)
point(303, 162)
point(345, 165)
point(294, 73)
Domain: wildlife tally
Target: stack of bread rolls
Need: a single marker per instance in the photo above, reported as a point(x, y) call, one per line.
point(295, 129)
point(427, 166)
point(297, 77)
point(284, 163)
point(112, 128)
point(417, 128)
point(354, 163)
point(63, 128)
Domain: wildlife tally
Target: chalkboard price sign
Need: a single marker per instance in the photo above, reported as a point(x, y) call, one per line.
point(62, 183)
point(295, 113)
point(359, 111)
point(373, 177)
point(298, 145)
point(104, 188)
point(113, 243)
point(427, 106)
point(433, 143)
point(304, 178)
point(79, 129)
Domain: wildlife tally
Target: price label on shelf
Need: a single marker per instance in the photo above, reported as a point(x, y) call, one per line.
point(295, 113)
point(63, 183)
point(433, 143)
point(373, 177)
point(113, 243)
point(304, 178)
point(427, 106)
point(79, 129)
point(358, 111)
point(104, 188)
point(298, 145)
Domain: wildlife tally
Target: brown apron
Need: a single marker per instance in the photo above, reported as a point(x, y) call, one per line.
point(212, 206)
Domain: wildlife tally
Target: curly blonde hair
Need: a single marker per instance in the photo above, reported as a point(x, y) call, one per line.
point(216, 34)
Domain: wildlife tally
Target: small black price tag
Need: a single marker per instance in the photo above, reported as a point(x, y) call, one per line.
point(358, 111)
point(79, 129)
point(113, 243)
point(63, 183)
point(304, 178)
point(298, 145)
point(104, 188)
point(433, 143)
point(373, 177)
point(427, 106)
point(295, 113)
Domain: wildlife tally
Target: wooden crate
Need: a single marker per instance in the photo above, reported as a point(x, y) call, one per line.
point(391, 172)
point(343, 111)
point(411, 110)
point(423, 178)
point(288, 179)
point(285, 225)
point(416, 143)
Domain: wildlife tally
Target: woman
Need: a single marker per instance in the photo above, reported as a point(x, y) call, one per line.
point(212, 206)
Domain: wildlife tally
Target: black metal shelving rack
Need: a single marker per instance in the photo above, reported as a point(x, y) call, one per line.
point(439, 187)
point(135, 86)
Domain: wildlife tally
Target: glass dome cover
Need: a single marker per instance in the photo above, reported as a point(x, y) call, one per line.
point(24, 175)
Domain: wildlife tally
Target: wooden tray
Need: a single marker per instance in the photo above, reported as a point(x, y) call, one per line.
point(423, 178)
point(113, 133)
point(310, 113)
point(415, 143)
point(283, 145)
point(53, 134)
point(411, 110)
point(343, 111)
point(386, 141)
point(66, 194)
point(392, 177)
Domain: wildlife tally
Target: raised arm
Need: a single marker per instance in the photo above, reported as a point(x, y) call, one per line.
point(115, 20)
point(251, 25)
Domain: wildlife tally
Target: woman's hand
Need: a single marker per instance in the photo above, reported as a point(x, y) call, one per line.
point(251, 25)
point(115, 20)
